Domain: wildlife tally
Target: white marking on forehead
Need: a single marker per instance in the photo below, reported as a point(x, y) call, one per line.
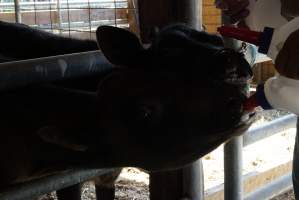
point(41, 70)
point(91, 68)
point(63, 66)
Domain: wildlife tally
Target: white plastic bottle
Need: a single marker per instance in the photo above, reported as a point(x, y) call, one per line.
point(268, 29)
point(280, 35)
point(264, 13)
point(280, 92)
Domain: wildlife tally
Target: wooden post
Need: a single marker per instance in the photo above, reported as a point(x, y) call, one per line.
point(186, 183)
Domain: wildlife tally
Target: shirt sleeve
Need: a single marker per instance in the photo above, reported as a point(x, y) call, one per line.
point(289, 8)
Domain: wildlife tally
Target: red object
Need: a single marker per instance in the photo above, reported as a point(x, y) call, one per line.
point(242, 34)
point(251, 103)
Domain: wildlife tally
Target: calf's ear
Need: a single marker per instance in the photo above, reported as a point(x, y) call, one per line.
point(118, 45)
point(54, 135)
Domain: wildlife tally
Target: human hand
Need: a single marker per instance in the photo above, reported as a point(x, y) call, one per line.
point(287, 60)
point(236, 10)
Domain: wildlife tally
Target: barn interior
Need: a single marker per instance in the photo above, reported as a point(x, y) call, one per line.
point(80, 19)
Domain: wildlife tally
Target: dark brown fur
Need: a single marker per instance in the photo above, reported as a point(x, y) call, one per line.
point(163, 108)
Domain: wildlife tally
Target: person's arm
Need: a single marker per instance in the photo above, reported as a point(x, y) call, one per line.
point(289, 8)
point(287, 60)
point(236, 10)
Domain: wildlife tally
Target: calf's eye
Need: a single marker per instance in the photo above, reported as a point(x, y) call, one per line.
point(144, 112)
point(148, 112)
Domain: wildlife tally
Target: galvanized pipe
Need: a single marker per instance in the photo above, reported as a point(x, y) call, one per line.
point(26, 72)
point(190, 12)
point(233, 181)
point(59, 17)
point(193, 181)
point(33, 189)
point(272, 189)
point(233, 163)
point(233, 155)
point(193, 175)
point(271, 128)
point(18, 16)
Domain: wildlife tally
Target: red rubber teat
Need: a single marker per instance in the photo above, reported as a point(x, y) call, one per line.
point(242, 34)
point(251, 103)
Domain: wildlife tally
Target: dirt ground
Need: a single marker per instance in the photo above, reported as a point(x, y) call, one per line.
point(285, 196)
point(133, 183)
point(132, 190)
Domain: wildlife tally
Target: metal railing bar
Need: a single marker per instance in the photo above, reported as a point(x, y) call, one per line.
point(17, 11)
point(233, 162)
point(74, 25)
point(271, 128)
point(79, 4)
point(29, 10)
point(233, 186)
point(35, 188)
point(272, 189)
point(233, 155)
point(42, 70)
point(65, 1)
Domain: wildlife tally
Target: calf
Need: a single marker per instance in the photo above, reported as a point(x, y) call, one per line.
point(19, 42)
point(164, 107)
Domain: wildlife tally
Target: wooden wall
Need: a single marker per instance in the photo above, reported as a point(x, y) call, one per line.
point(211, 16)
point(263, 71)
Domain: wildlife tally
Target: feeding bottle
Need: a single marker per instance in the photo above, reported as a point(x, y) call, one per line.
point(269, 31)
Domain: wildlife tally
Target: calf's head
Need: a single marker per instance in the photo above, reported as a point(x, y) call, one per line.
point(172, 102)
point(168, 104)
